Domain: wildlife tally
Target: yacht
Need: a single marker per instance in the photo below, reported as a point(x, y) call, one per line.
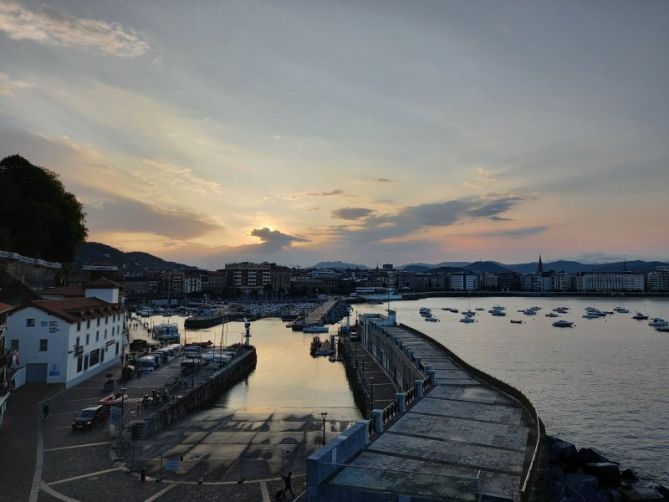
point(563, 324)
point(658, 322)
point(469, 312)
point(499, 313)
point(551, 314)
point(530, 312)
point(663, 328)
point(639, 316)
point(467, 319)
point(591, 315)
point(621, 310)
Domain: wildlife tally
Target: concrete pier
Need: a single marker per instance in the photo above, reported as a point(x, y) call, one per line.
point(470, 437)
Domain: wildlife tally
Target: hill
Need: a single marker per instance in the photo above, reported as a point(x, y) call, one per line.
point(492, 267)
point(339, 265)
point(575, 266)
point(95, 253)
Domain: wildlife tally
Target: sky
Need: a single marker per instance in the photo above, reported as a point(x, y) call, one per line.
point(298, 131)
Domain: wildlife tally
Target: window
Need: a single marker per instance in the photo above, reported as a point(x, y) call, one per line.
point(98, 321)
point(106, 319)
point(117, 349)
point(30, 323)
point(94, 357)
point(79, 326)
point(88, 339)
point(14, 345)
point(80, 363)
point(97, 336)
point(88, 324)
point(78, 342)
point(86, 362)
point(43, 345)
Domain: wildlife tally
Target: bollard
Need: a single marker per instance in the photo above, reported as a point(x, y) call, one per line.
point(419, 389)
point(401, 398)
point(378, 420)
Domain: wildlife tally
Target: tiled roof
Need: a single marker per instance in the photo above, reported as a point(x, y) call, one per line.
point(66, 291)
point(103, 282)
point(4, 307)
point(76, 309)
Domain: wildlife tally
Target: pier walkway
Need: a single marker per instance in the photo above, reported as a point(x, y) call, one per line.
point(318, 315)
point(470, 437)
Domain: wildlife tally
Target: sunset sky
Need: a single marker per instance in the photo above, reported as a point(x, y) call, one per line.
point(300, 131)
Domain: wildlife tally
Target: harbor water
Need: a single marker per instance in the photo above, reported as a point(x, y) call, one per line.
point(603, 383)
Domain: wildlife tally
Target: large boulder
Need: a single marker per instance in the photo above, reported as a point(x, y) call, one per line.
point(586, 493)
point(574, 480)
point(639, 493)
point(562, 452)
point(556, 472)
point(558, 491)
point(590, 455)
point(608, 473)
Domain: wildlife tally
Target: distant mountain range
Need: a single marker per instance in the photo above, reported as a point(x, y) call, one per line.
point(529, 268)
point(95, 253)
point(337, 265)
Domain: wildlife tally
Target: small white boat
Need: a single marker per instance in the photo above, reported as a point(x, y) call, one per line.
point(621, 310)
point(467, 319)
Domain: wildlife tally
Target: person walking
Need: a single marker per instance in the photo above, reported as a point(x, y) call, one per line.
point(45, 411)
point(288, 484)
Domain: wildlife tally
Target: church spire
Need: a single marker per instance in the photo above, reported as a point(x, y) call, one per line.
point(540, 266)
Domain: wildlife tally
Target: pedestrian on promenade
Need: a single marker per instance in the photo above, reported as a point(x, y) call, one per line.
point(45, 411)
point(288, 484)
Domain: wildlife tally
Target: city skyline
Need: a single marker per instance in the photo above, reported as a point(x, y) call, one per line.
point(301, 132)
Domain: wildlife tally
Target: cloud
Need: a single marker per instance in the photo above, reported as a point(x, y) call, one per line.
point(337, 191)
point(8, 85)
point(352, 213)
point(514, 233)
point(274, 239)
point(49, 27)
point(408, 220)
point(129, 216)
point(385, 180)
point(493, 208)
point(482, 179)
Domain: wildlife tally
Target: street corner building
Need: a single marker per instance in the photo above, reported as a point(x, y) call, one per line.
point(69, 335)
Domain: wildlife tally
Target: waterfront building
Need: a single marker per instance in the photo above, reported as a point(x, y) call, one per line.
point(658, 280)
point(604, 282)
point(463, 282)
point(68, 340)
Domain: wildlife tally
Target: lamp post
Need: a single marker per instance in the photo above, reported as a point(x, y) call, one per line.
point(324, 414)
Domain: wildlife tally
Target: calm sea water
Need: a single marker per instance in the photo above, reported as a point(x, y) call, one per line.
point(286, 377)
point(603, 383)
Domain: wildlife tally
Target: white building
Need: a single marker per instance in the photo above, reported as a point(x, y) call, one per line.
point(463, 282)
point(67, 341)
point(609, 281)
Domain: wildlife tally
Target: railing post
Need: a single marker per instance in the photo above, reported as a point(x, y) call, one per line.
point(378, 420)
point(419, 388)
point(401, 398)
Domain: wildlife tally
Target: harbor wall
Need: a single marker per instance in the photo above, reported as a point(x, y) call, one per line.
point(202, 396)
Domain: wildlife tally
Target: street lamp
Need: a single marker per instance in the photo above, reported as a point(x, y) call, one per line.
point(324, 414)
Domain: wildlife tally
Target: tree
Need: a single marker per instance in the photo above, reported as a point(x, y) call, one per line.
point(38, 216)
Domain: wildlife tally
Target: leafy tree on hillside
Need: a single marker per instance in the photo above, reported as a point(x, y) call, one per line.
point(38, 217)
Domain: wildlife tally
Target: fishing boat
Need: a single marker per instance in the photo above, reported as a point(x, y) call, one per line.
point(467, 319)
point(563, 324)
point(315, 328)
point(205, 318)
point(639, 316)
point(516, 321)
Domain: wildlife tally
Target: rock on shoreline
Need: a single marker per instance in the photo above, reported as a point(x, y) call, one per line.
point(585, 475)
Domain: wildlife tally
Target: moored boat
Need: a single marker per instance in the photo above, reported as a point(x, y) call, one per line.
point(563, 324)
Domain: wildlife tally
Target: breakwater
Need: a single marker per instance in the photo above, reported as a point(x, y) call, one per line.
point(456, 433)
point(201, 396)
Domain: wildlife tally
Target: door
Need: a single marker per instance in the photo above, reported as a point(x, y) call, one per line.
point(36, 372)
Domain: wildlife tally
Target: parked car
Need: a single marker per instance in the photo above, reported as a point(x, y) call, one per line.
point(89, 417)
